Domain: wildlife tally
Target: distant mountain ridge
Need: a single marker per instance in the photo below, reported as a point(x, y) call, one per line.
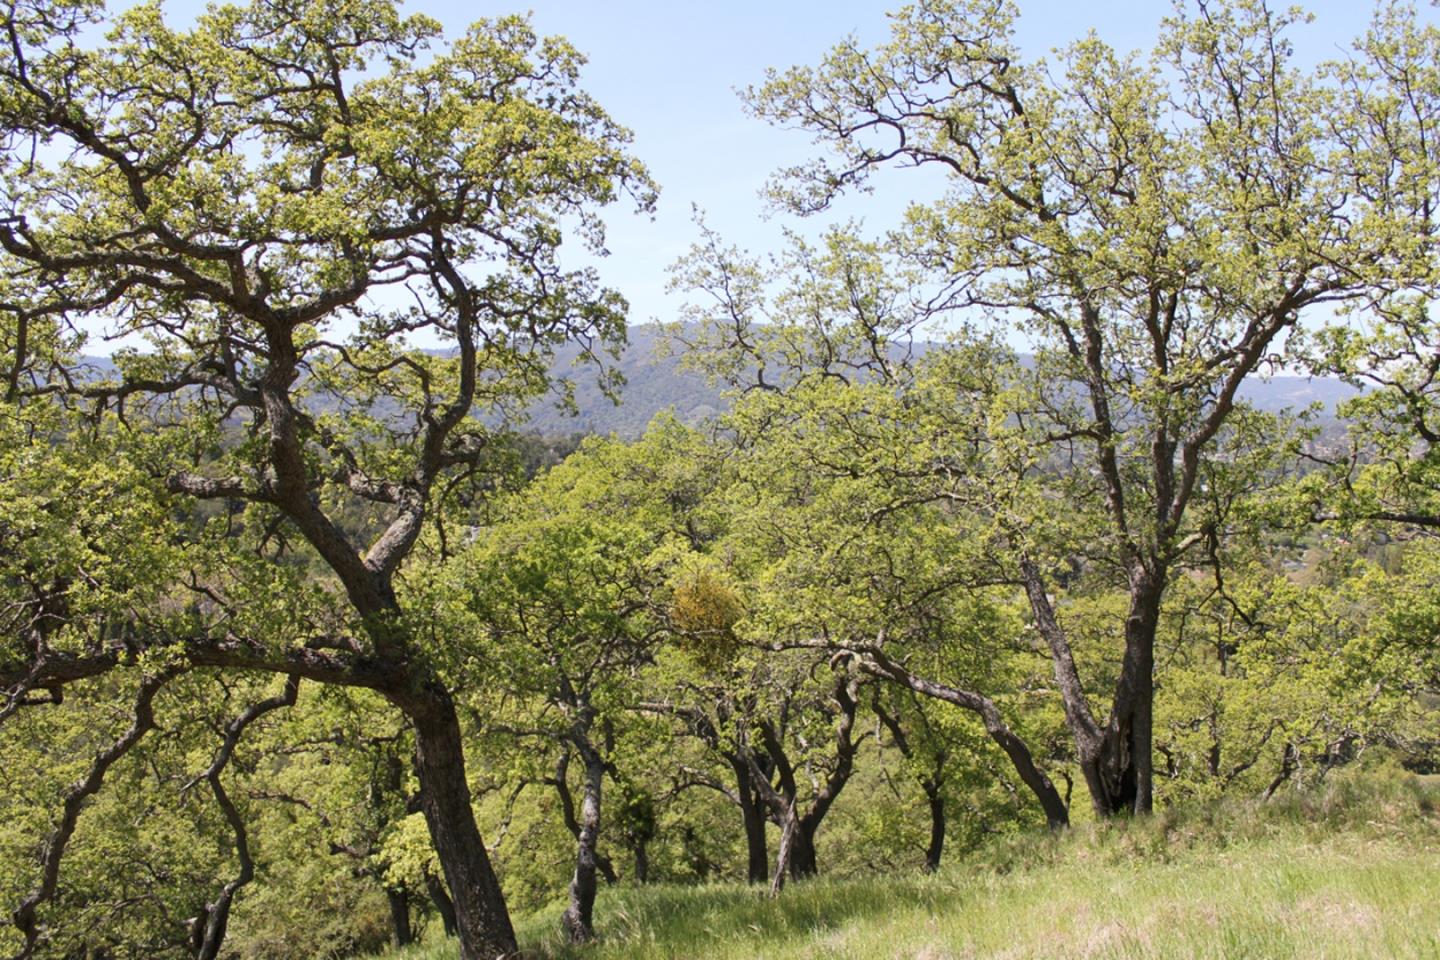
point(655, 382)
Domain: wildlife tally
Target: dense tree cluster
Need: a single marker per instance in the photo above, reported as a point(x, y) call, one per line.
point(285, 620)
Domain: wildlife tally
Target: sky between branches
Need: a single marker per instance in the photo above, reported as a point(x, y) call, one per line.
point(670, 72)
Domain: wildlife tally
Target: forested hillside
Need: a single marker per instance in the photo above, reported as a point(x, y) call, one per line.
point(658, 381)
point(1051, 570)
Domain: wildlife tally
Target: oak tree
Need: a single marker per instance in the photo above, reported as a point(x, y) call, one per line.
point(280, 206)
point(1151, 229)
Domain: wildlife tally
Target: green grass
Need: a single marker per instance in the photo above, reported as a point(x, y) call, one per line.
point(1352, 872)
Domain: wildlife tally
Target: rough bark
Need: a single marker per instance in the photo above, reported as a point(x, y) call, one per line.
point(482, 922)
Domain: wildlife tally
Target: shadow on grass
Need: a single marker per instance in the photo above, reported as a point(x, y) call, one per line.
point(676, 921)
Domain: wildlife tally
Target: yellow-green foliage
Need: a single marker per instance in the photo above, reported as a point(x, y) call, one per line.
point(704, 609)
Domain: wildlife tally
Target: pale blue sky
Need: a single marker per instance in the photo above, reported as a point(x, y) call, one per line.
point(669, 72)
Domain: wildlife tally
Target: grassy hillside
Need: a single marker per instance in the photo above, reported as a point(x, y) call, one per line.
point(1350, 871)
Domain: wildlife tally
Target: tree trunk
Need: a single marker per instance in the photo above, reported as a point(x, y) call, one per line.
point(802, 858)
point(936, 799)
point(1140, 631)
point(481, 919)
point(642, 862)
point(1288, 761)
point(787, 843)
point(578, 919)
point(1116, 759)
point(1057, 815)
point(753, 811)
point(1120, 774)
point(561, 782)
point(400, 916)
point(803, 863)
point(1110, 772)
point(443, 904)
point(932, 783)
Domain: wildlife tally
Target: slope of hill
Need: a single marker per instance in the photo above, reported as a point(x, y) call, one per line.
point(654, 382)
point(1348, 871)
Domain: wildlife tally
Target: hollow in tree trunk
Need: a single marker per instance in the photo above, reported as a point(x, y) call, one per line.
point(1118, 768)
point(1115, 758)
